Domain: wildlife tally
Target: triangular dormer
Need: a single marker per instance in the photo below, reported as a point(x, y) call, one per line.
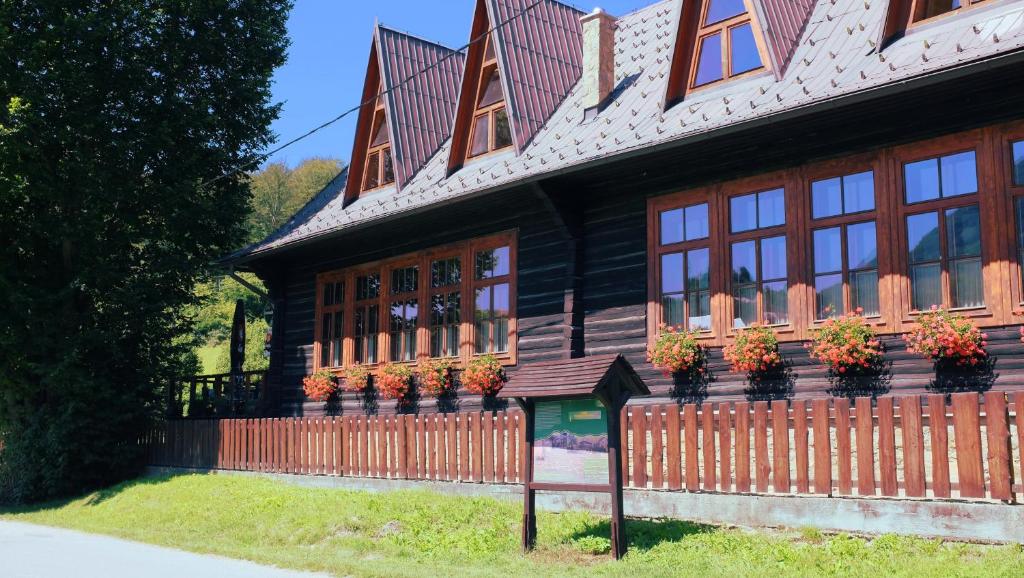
point(511, 85)
point(417, 78)
point(903, 14)
point(720, 40)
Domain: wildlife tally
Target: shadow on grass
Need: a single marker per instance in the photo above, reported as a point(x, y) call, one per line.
point(645, 534)
point(93, 498)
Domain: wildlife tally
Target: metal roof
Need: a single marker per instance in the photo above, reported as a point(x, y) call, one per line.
point(541, 56)
point(836, 57)
point(425, 78)
point(783, 22)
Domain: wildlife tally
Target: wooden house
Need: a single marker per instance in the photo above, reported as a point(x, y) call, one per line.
point(572, 182)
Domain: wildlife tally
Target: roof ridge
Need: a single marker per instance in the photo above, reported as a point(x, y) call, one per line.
point(382, 26)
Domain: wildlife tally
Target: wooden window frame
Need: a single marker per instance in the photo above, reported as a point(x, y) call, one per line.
point(465, 250)
point(446, 291)
point(789, 229)
point(379, 116)
point(884, 321)
point(984, 199)
point(491, 111)
point(917, 8)
point(405, 297)
point(1003, 138)
point(655, 314)
point(475, 284)
point(722, 28)
point(356, 304)
point(1002, 269)
point(322, 309)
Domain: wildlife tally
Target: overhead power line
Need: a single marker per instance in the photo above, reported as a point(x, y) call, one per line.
point(264, 156)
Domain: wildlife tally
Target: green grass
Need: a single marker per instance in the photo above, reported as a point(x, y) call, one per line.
point(208, 358)
point(417, 533)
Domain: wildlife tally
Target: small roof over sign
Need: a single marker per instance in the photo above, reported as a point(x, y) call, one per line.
point(581, 376)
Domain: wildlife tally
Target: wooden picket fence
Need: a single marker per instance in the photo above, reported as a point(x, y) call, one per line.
point(909, 446)
point(464, 447)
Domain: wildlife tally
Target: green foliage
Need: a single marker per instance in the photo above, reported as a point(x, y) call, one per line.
point(278, 192)
point(255, 344)
point(215, 311)
point(113, 114)
point(419, 533)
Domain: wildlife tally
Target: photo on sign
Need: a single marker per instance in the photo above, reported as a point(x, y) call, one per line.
point(571, 442)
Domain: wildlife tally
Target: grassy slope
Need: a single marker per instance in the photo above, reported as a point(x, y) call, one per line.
point(425, 534)
point(208, 358)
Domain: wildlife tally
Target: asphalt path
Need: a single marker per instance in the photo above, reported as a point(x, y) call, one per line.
point(31, 551)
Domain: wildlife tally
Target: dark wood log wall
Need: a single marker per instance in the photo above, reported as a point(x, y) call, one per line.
point(543, 256)
point(607, 303)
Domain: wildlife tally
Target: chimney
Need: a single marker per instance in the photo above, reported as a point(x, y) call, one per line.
point(598, 59)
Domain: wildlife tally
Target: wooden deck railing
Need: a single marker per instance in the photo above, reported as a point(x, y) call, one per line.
point(911, 446)
point(216, 395)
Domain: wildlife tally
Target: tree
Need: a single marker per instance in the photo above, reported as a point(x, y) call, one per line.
point(112, 116)
point(278, 192)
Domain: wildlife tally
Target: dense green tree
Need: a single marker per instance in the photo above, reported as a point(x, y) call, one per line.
point(112, 115)
point(278, 192)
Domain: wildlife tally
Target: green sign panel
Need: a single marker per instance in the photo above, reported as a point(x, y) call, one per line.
point(571, 442)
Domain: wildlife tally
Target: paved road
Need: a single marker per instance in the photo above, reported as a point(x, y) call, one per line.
point(30, 551)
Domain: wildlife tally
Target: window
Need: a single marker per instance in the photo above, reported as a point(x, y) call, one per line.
point(758, 211)
point(445, 306)
point(948, 176)
point(490, 129)
point(1019, 210)
point(491, 299)
point(843, 195)
point(332, 319)
point(759, 282)
point(414, 306)
point(379, 170)
point(1018, 163)
point(846, 270)
point(944, 243)
point(845, 250)
point(685, 267)
point(925, 9)
point(726, 44)
point(404, 312)
point(367, 318)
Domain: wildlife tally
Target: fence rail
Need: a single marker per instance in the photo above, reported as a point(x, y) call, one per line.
point(909, 446)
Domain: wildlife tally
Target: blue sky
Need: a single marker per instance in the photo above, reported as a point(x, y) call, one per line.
point(327, 60)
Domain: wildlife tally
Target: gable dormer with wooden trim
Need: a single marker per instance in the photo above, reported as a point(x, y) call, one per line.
point(902, 15)
point(721, 40)
point(372, 165)
point(512, 82)
point(419, 78)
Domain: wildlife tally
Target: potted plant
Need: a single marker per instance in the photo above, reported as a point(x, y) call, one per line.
point(847, 345)
point(357, 379)
point(320, 386)
point(394, 381)
point(484, 375)
point(436, 377)
point(677, 351)
point(947, 339)
point(755, 351)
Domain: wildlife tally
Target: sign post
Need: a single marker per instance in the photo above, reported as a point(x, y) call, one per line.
point(573, 443)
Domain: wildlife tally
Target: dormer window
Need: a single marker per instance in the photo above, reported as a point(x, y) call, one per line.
point(726, 45)
point(379, 170)
point(925, 9)
point(491, 130)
